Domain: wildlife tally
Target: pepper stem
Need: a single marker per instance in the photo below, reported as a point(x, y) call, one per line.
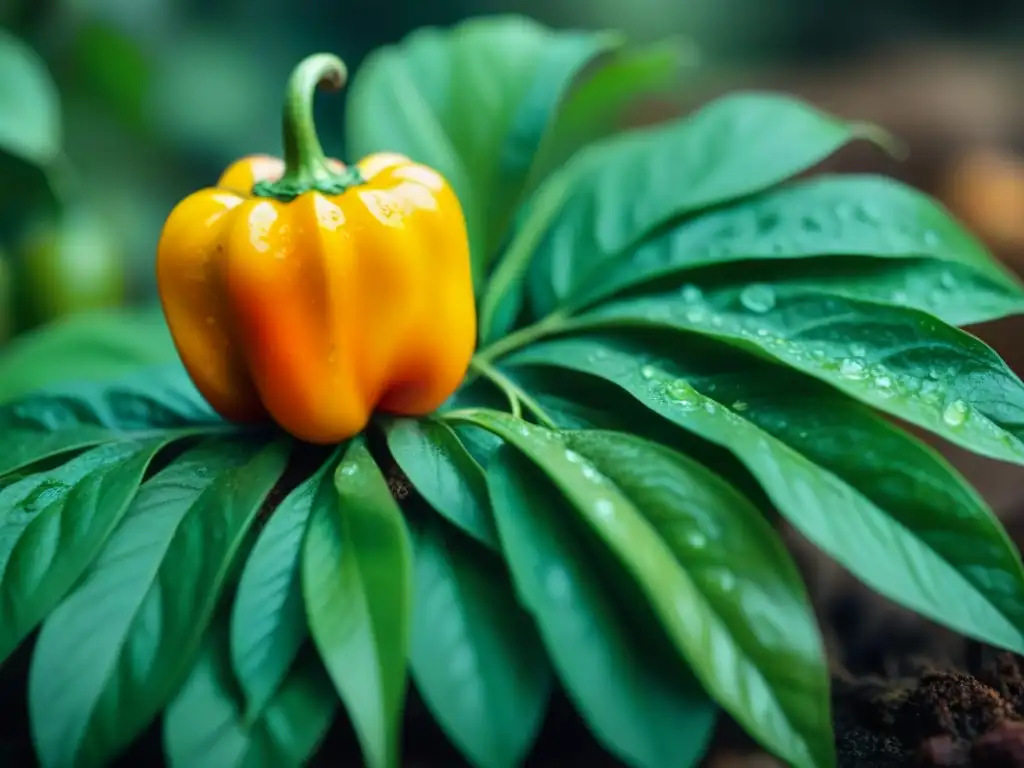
point(306, 166)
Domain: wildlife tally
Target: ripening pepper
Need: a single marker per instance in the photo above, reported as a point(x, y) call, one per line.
point(313, 293)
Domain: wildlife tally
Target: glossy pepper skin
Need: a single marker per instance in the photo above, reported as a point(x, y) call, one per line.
point(314, 294)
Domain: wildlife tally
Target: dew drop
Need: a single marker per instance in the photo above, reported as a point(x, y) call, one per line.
point(709, 406)
point(648, 372)
point(853, 370)
point(681, 395)
point(695, 315)
point(948, 281)
point(758, 298)
point(604, 508)
point(739, 405)
point(883, 387)
point(956, 413)
point(558, 584)
point(858, 350)
point(597, 356)
point(591, 474)
point(572, 457)
point(899, 297)
point(349, 469)
point(716, 321)
point(524, 431)
point(696, 540)
point(726, 581)
point(691, 294)
point(931, 238)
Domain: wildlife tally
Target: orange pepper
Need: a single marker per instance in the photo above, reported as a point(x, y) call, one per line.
point(312, 293)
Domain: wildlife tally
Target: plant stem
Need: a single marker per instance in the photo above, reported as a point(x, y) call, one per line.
point(306, 166)
point(514, 393)
point(553, 323)
point(501, 382)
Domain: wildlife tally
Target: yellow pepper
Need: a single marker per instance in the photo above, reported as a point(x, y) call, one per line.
point(312, 293)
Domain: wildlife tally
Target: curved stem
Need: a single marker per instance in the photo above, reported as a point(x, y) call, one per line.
point(553, 323)
point(306, 166)
point(514, 393)
point(303, 155)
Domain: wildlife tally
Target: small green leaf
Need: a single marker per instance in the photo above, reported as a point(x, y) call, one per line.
point(268, 620)
point(110, 657)
point(90, 346)
point(649, 511)
point(204, 727)
point(734, 147)
point(357, 586)
point(598, 103)
point(871, 216)
point(29, 103)
point(899, 360)
point(882, 504)
point(434, 459)
point(475, 656)
point(644, 707)
point(52, 526)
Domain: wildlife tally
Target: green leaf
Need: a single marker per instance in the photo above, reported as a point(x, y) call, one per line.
point(850, 215)
point(472, 103)
point(899, 360)
point(268, 620)
point(357, 586)
point(645, 708)
point(110, 657)
point(29, 103)
point(206, 727)
point(884, 505)
point(53, 524)
point(738, 565)
point(159, 403)
point(474, 655)
point(734, 147)
point(444, 472)
point(675, 528)
point(561, 56)
point(598, 104)
point(90, 346)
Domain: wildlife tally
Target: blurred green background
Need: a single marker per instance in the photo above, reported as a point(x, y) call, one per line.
point(113, 110)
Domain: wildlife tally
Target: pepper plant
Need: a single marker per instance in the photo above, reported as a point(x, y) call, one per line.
point(683, 339)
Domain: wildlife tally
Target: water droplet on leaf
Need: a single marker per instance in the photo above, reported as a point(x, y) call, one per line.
point(696, 539)
point(853, 370)
point(691, 294)
point(956, 413)
point(758, 298)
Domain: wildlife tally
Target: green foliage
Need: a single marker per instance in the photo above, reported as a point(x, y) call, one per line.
point(29, 103)
point(681, 343)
